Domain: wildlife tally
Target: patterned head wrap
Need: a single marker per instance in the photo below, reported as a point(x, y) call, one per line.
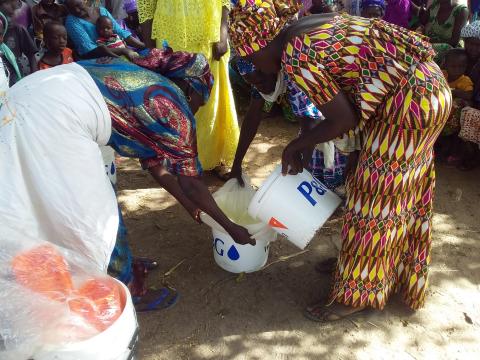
point(379, 3)
point(254, 23)
point(192, 68)
point(472, 30)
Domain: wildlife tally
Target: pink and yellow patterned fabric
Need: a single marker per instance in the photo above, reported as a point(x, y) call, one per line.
point(403, 101)
point(254, 23)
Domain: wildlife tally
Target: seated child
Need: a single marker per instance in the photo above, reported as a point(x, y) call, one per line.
point(45, 11)
point(448, 145)
point(55, 40)
point(373, 8)
point(111, 41)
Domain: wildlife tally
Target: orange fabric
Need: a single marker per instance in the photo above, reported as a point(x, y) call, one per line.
point(45, 271)
point(67, 58)
point(98, 301)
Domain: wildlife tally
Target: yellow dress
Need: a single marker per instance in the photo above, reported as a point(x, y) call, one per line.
point(193, 26)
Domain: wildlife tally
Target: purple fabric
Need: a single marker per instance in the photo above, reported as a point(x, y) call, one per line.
point(398, 12)
point(307, 4)
point(379, 3)
point(130, 6)
point(23, 16)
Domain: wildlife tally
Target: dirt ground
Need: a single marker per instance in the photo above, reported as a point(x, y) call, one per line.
point(259, 316)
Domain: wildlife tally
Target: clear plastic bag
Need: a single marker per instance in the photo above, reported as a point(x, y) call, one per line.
point(50, 297)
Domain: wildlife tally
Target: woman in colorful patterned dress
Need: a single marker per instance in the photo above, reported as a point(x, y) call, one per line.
point(378, 80)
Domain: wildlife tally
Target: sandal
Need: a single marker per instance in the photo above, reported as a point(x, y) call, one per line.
point(154, 300)
point(326, 266)
point(149, 264)
point(323, 313)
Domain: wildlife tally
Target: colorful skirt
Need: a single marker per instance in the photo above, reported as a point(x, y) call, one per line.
point(387, 230)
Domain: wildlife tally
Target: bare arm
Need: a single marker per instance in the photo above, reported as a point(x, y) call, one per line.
point(249, 129)
point(147, 33)
point(460, 21)
point(135, 43)
point(340, 118)
point(198, 193)
point(220, 48)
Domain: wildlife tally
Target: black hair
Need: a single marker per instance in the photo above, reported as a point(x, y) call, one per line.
point(103, 18)
point(456, 53)
point(49, 27)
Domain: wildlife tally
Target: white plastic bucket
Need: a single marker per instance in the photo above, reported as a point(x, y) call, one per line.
point(118, 342)
point(230, 256)
point(295, 206)
point(237, 258)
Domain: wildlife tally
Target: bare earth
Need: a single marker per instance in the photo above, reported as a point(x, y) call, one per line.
point(259, 315)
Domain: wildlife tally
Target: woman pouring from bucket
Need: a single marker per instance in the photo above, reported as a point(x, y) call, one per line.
point(370, 78)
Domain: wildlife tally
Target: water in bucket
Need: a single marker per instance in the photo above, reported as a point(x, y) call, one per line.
point(230, 256)
point(295, 206)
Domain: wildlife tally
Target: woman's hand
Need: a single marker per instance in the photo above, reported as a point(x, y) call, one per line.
point(130, 54)
point(240, 235)
point(219, 49)
point(292, 157)
point(236, 173)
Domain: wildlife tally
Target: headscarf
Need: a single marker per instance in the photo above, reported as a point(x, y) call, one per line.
point(367, 3)
point(192, 68)
point(254, 23)
point(472, 30)
point(9, 55)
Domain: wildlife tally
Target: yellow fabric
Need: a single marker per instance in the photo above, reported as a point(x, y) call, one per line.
point(463, 83)
point(189, 25)
point(193, 26)
point(217, 125)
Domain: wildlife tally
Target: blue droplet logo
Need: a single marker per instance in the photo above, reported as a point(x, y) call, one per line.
point(233, 253)
point(112, 169)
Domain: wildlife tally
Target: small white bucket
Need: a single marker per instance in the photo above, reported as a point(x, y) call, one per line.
point(230, 256)
point(237, 258)
point(118, 342)
point(295, 206)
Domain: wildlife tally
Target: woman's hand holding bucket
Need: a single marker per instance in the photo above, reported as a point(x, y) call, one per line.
point(295, 157)
point(240, 235)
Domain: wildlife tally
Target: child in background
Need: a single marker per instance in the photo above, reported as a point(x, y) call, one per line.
point(18, 39)
point(449, 146)
point(55, 39)
point(45, 11)
point(373, 9)
point(109, 40)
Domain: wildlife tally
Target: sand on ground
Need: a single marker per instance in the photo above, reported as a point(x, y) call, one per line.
point(259, 315)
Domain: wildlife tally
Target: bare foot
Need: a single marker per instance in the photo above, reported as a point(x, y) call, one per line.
point(334, 312)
